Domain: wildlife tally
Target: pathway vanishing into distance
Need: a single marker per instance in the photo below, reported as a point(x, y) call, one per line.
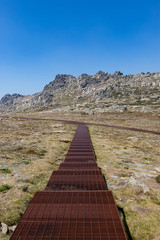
point(76, 204)
point(96, 124)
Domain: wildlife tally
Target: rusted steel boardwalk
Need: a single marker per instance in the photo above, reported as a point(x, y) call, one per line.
point(76, 203)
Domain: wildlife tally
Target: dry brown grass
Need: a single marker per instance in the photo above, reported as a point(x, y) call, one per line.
point(129, 161)
point(31, 150)
point(148, 121)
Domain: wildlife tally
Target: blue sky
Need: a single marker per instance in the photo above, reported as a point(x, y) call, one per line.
point(39, 39)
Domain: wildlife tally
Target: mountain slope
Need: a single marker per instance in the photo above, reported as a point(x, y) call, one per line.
point(98, 93)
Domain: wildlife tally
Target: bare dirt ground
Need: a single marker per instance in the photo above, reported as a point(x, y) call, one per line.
point(130, 161)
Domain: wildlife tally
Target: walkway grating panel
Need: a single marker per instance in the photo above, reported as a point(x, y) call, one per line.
point(84, 182)
point(77, 172)
point(76, 165)
point(71, 215)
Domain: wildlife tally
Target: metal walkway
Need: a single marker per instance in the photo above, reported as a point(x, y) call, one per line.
point(76, 204)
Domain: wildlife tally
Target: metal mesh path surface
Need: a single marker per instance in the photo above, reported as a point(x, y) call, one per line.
point(81, 181)
point(76, 203)
point(71, 215)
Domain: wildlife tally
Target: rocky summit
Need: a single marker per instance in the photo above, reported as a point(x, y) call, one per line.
point(102, 92)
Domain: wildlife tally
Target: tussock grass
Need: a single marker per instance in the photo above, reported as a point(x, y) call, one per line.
point(5, 170)
point(158, 179)
point(30, 151)
point(4, 188)
point(129, 173)
point(118, 153)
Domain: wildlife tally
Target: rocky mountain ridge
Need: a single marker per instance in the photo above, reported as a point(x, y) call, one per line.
point(101, 92)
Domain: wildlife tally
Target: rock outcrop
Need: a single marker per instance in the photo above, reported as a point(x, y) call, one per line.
point(101, 92)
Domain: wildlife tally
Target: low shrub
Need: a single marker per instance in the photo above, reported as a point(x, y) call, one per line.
point(4, 187)
point(5, 170)
point(158, 179)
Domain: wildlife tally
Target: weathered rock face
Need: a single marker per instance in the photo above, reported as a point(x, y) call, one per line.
point(59, 82)
point(7, 229)
point(4, 228)
point(101, 92)
point(10, 100)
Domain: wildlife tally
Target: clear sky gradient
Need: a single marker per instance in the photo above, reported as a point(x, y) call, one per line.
point(39, 39)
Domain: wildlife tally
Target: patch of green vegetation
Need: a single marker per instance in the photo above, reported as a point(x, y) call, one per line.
point(158, 179)
point(12, 216)
point(26, 162)
point(148, 159)
point(25, 189)
point(139, 191)
point(12, 213)
point(5, 156)
point(17, 202)
point(4, 187)
point(84, 113)
point(4, 237)
point(154, 197)
point(19, 155)
point(125, 174)
point(19, 148)
point(36, 179)
point(5, 170)
point(33, 151)
point(42, 153)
